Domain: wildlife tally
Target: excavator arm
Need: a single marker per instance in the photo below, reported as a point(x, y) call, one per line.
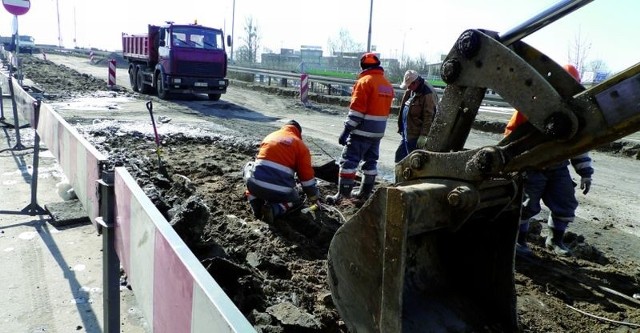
point(435, 251)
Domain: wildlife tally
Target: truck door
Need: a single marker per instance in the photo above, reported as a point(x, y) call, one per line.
point(164, 44)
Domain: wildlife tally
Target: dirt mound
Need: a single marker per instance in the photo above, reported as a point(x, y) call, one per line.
point(60, 82)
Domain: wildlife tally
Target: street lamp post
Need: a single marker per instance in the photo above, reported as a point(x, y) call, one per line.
point(370, 19)
point(233, 25)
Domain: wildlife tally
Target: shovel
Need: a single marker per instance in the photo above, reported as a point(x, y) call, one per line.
point(161, 168)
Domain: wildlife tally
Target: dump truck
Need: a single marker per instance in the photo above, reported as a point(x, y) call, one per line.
point(177, 59)
point(435, 251)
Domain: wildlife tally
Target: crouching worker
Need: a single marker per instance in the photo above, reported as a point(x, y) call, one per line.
point(283, 157)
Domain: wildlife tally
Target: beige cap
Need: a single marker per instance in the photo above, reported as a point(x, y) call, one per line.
point(409, 77)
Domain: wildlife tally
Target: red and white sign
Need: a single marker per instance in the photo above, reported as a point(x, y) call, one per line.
point(17, 7)
point(112, 73)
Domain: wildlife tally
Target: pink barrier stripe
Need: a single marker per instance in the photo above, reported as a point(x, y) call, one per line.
point(172, 290)
point(122, 216)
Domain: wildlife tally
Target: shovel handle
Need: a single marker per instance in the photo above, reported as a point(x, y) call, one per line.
point(153, 122)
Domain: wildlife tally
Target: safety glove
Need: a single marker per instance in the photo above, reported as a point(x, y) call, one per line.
point(342, 140)
point(422, 141)
point(585, 184)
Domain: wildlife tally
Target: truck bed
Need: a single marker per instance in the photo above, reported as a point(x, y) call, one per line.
point(136, 47)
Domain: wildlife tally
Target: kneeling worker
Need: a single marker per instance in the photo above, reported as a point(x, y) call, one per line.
point(271, 179)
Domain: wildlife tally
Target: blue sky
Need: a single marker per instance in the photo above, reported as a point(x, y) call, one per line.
point(399, 27)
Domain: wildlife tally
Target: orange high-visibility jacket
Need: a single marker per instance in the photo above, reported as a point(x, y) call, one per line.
point(370, 104)
point(516, 120)
point(282, 155)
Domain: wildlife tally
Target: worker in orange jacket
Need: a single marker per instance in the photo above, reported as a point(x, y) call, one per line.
point(554, 186)
point(363, 129)
point(283, 159)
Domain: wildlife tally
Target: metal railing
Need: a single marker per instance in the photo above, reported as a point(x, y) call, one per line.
point(330, 86)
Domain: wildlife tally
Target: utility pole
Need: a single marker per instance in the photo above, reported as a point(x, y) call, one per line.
point(75, 37)
point(233, 25)
point(370, 19)
point(59, 34)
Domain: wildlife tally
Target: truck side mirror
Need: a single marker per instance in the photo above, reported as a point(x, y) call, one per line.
point(229, 40)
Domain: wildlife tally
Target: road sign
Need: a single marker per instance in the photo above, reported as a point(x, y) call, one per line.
point(17, 7)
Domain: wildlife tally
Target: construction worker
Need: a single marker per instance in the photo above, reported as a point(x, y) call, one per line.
point(418, 107)
point(363, 129)
point(271, 179)
point(554, 186)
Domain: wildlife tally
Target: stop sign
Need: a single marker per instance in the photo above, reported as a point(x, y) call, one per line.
point(17, 7)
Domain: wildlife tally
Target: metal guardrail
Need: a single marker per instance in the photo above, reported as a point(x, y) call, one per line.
point(333, 86)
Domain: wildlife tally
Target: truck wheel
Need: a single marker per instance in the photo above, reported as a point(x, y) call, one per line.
point(132, 79)
point(143, 88)
point(214, 97)
point(162, 93)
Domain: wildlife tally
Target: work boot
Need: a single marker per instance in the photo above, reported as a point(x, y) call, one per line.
point(554, 242)
point(267, 213)
point(344, 192)
point(364, 192)
point(256, 207)
point(522, 248)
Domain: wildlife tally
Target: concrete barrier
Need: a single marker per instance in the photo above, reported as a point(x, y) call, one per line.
point(175, 291)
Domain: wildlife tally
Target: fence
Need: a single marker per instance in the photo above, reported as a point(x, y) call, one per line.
point(329, 86)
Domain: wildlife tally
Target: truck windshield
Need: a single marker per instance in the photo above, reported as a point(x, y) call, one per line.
point(197, 37)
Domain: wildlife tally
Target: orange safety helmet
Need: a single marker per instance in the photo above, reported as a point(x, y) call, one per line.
point(369, 60)
point(571, 69)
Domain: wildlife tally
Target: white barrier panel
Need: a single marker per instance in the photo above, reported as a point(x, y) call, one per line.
point(174, 290)
point(79, 160)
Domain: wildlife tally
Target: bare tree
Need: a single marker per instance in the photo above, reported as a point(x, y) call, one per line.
point(598, 66)
point(579, 51)
point(248, 53)
point(599, 69)
point(344, 43)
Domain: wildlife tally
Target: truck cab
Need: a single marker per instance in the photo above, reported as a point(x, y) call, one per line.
point(188, 58)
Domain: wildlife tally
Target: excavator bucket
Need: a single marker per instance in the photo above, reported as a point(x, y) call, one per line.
point(429, 256)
